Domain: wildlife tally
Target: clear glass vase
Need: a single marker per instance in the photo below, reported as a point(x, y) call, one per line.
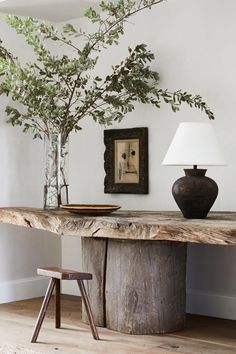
point(56, 171)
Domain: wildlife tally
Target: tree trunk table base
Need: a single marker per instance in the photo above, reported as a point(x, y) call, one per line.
point(138, 287)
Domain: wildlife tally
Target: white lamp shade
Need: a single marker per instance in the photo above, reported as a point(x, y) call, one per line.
point(194, 144)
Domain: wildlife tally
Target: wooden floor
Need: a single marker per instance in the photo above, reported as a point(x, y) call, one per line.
point(203, 335)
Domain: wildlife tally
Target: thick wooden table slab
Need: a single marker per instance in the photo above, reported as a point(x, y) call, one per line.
point(219, 228)
point(137, 258)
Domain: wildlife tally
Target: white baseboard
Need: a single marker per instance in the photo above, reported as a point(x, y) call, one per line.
point(28, 288)
point(198, 302)
point(210, 304)
point(22, 289)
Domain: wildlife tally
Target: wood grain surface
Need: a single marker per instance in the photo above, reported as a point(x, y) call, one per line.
point(218, 228)
point(94, 253)
point(203, 335)
point(145, 286)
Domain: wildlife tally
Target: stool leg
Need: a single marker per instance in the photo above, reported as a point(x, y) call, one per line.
point(88, 308)
point(43, 309)
point(58, 304)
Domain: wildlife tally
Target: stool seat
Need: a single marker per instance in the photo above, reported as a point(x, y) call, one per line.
point(57, 274)
point(63, 274)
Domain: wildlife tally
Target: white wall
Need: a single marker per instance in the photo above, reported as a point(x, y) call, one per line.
point(21, 179)
point(194, 45)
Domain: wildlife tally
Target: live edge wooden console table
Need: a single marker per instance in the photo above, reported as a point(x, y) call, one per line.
point(138, 261)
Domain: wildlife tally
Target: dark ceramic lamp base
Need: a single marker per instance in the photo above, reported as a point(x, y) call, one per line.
point(195, 193)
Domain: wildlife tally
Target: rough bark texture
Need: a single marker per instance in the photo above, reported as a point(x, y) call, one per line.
point(94, 261)
point(145, 286)
point(219, 228)
point(138, 280)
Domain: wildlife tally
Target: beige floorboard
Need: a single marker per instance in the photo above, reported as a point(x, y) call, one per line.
point(202, 335)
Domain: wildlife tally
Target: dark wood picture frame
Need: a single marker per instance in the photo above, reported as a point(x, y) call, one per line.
point(118, 179)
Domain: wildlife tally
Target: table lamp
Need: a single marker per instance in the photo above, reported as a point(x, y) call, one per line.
point(194, 144)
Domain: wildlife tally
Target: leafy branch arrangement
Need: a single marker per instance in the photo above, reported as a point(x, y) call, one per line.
point(56, 91)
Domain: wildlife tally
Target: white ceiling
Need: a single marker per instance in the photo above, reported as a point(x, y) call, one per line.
point(50, 10)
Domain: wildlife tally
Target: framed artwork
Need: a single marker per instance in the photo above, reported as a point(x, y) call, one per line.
point(126, 161)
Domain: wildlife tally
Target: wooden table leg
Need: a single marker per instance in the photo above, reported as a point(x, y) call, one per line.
point(94, 252)
point(88, 309)
point(43, 309)
point(145, 286)
point(138, 287)
point(58, 304)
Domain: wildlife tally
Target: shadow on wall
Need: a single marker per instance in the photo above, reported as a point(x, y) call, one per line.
point(22, 168)
point(209, 291)
point(22, 252)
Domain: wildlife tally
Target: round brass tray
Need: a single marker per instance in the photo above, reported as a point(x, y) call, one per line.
point(90, 209)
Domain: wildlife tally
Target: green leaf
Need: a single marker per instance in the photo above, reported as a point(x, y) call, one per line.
point(55, 91)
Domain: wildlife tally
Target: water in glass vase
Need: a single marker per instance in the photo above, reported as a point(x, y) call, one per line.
point(56, 171)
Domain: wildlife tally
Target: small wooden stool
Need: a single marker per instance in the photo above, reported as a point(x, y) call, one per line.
point(56, 275)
